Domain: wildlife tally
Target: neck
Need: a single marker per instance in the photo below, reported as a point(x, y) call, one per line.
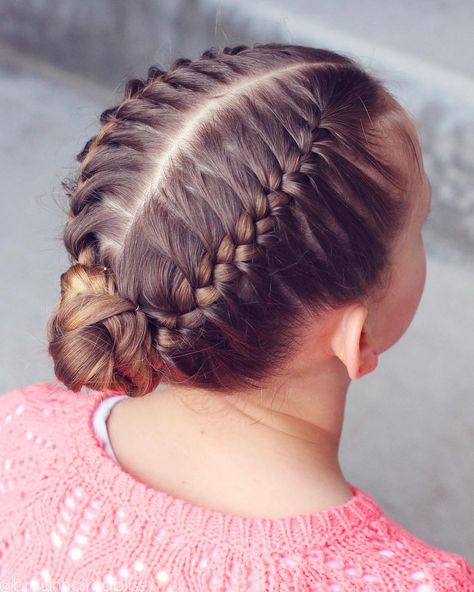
point(270, 453)
point(288, 432)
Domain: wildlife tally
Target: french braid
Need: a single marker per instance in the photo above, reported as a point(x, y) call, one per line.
point(202, 266)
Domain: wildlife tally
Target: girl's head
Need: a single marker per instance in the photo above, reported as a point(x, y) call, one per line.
point(235, 200)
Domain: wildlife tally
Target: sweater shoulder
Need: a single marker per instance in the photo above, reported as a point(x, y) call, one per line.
point(46, 395)
point(36, 425)
point(396, 550)
point(39, 409)
point(45, 403)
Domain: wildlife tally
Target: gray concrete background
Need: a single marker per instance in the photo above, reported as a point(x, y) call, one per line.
point(422, 50)
point(409, 428)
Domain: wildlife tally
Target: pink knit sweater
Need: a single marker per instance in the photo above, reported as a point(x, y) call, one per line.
point(72, 519)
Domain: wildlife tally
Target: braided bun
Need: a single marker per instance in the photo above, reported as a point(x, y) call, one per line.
point(98, 339)
point(233, 196)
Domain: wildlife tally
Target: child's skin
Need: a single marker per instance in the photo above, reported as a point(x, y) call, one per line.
point(274, 453)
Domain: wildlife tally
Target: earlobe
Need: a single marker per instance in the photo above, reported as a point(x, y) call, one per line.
point(368, 362)
point(351, 342)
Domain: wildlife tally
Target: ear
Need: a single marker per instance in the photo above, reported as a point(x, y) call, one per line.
point(351, 342)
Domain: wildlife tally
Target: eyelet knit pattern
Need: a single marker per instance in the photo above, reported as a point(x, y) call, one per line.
point(72, 519)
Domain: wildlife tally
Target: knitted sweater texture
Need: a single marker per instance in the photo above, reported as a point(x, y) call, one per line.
point(71, 518)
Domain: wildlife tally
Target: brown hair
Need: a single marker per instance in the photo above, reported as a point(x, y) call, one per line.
point(227, 198)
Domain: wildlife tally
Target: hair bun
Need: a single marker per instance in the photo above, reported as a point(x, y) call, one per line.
point(98, 339)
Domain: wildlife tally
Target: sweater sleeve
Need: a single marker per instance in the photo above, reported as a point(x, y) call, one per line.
point(467, 571)
point(13, 464)
point(30, 459)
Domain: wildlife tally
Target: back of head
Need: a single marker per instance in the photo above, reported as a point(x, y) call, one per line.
point(221, 204)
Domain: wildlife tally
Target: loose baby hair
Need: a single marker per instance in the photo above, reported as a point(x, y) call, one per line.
point(222, 204)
